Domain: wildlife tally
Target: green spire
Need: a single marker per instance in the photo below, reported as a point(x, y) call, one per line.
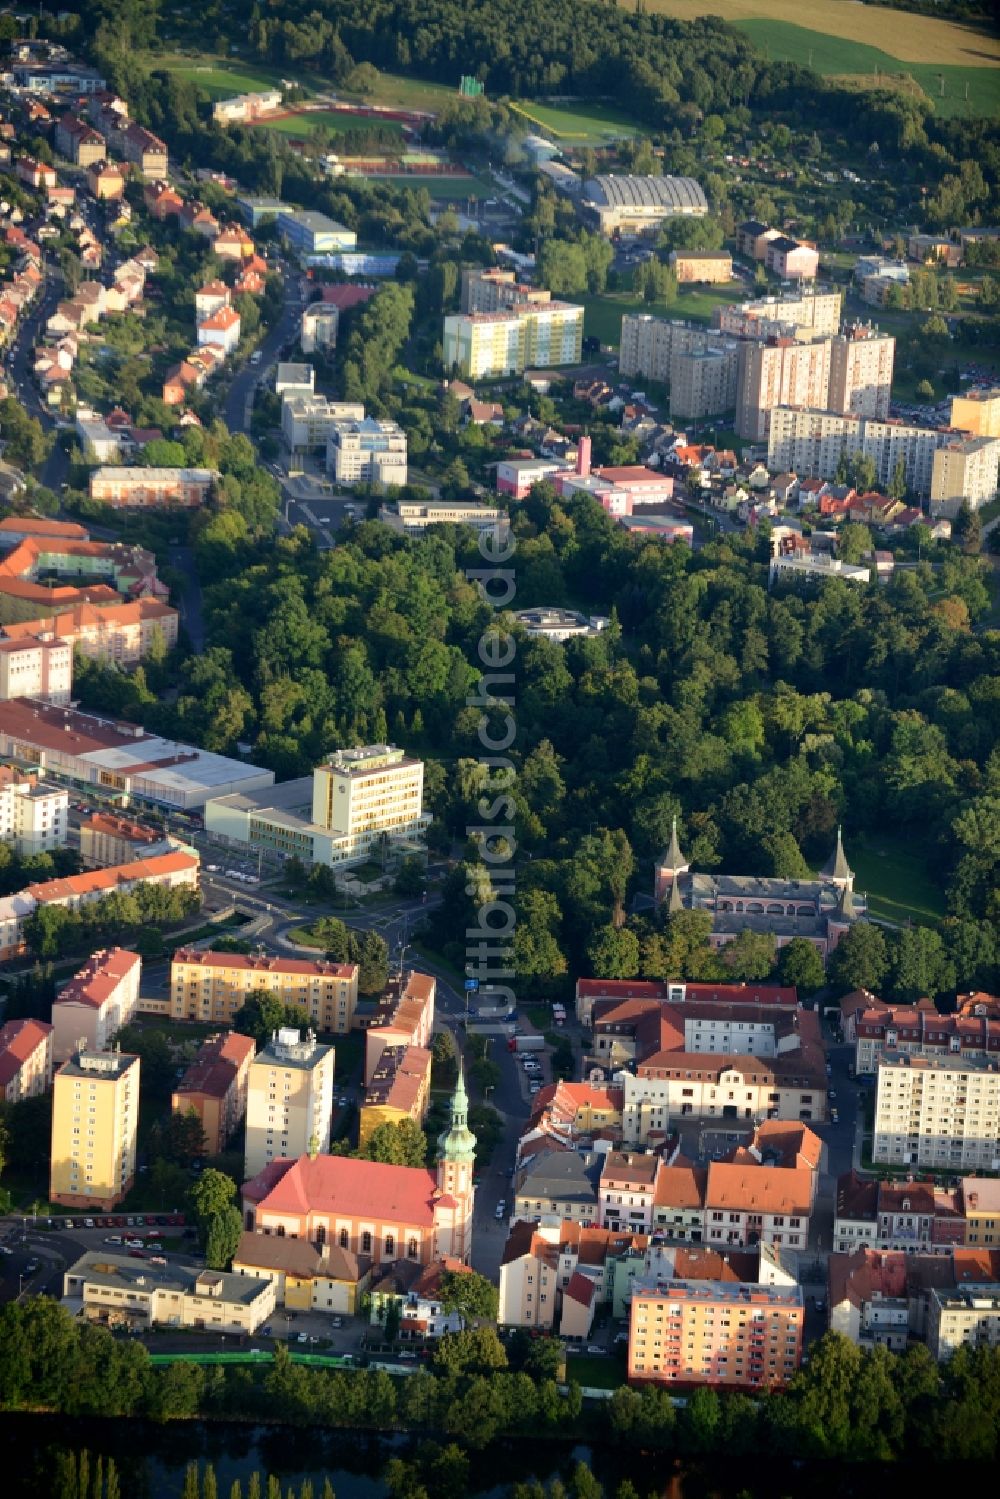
point(458, 1143)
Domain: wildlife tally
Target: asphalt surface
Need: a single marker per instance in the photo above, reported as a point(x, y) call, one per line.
point(237, 407)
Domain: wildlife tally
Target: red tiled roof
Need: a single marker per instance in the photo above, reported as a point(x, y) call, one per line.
point(581, 1288)
point(75, 885)
point(207, 957)
point(353, 1189)
point(18, 1040)
point(100, 976)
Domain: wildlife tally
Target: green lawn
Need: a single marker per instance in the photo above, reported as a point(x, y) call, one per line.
point(833, 55)
point(447, 189)
point(604, 310)
point(218, 77)
point(583, 124)
point(335, 121)
point(594, 1373)
point(408, 93)
point(895, 876)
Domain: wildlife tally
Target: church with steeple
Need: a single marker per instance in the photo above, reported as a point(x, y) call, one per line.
point(820, 910)
point(375, 1213)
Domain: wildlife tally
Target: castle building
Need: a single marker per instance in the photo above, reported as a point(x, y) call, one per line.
point(819, 910)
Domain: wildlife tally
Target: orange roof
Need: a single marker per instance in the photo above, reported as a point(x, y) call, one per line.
point(223, 320)
point(206, 957)
point(74, 621)
point(99, 978)
point(121, 827)
point(759, 1189)
point(34, 525)
point(19, 1039)
point(73, 886)
point(681, 1187)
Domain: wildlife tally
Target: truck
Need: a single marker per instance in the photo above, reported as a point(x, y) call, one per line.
point(526, 1043)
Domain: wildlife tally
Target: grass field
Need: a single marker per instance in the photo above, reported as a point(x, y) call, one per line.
point(448, 189)
point(896, 880)
point(218, 77)
point(591, 1372)
point(604, 310)
point(835, 56)
point(909, 38)
point(583, 125)
point(336, 122)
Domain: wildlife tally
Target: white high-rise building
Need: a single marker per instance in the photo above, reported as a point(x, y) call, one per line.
point(289, 1100)
point(34, 814)
point(938, 1112)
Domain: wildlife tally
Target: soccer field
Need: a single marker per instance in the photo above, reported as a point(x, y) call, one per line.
point(583, 124)
point(335, 120)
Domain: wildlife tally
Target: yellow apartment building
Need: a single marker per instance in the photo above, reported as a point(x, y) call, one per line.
point(95, 1117)
point(714, 1332)
point(289, 1100)
point(399, 1089)
point(211, 986)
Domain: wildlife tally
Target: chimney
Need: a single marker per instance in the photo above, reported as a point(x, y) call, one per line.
point(583, 457)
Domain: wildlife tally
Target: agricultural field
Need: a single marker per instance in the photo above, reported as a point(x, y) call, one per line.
point(581, 125)
point(842, 38)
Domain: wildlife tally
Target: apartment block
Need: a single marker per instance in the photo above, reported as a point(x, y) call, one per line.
point(938, 1113)
point(95, 1118)
point(110, 633)
point(123, 1293)
point(791, 259)
point(404, 1016)
point(861, 364)
point(367, 451)
point(152, 488)
point(496, 291)
point(706, 266)
point(399, 1089)
point(79, 142)
point(964, 472)
point(98, 1000)
point(779, 372)
point(25, 1059)
point(977, 412)
point(289, 1100)
point(107, 839)
point(715, 1333)
point(812, 311)
point(981, 1199)
point(920, 1030)
point(703, 382)
point(963, 1316)
point(487, 344)
point(812, 442)
point(34, 813)
point(208, 986)
point(38, 666)
point(215, 1086)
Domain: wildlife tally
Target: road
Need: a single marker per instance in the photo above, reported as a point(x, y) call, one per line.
point(190, 604)
point(239, 397)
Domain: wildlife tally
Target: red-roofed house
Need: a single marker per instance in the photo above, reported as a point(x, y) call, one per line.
point(222, 328)
point(215, 1088)
point(746, 1205)
point(25, 1059)
point(96, 1002)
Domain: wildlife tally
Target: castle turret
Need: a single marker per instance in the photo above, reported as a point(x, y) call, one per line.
point(669, 865)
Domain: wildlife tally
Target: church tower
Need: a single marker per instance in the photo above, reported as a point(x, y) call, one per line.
point(836, 871)
point(669, 865)
point(456, 1194)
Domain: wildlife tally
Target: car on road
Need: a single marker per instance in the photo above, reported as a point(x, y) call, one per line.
point(301, 1338)
point(267, 1332)
point(501, 1210)
point(596, 1348)
point(157, 1259)
point(336, 1321)
point(834, 1117)
point(534, 1087)
point(133, 1243)
point(88, 1223)
point(831, 1093)
point(31, 1267)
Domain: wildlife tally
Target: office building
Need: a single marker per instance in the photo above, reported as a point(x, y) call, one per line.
point(211, 987)
point(399, 1088)
point(95, 1118)
point(134, 1296)
point(413, 517)
point(714, 1333)
point(633, 205)
point(95, 1004)
point(25, 1060)
point(977, 412)
point(379, 795)
point(937, 1112)
point(485, 345)
point(256, 210)
point(308, 420)
point(861, 363)
point(133, 766)
point(964, 472)
point(366, 451)
point(309, 233)
point(289, 1100)
point(215, 1087)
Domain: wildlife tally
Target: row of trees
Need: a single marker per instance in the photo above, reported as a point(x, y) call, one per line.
point(139, 915)
point(846, 1404)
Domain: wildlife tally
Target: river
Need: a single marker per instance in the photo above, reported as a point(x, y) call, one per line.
point(151, 1461)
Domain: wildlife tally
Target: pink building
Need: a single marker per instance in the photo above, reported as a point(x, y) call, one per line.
point(791, 259)
point(25, 1059)
point(96, 1002)
point(516, 476)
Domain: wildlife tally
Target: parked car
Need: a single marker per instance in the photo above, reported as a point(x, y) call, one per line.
point(114, 1239)
point(137, 1254)
point(336, 1321)
point(31, 1267)
point(501, 1210)
point(301, 1338)
point(157, 1259)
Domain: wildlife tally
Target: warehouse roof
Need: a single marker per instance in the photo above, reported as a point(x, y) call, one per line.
point(672, 194)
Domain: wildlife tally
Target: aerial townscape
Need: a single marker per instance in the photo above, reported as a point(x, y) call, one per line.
point(499, 749)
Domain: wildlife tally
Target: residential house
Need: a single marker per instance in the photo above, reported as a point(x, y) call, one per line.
point(306, 1276)
point(747, 1205)
point(101, 997)
point(25, 1059)
point(105, 181)
point(221, 328)
point(214, 1087)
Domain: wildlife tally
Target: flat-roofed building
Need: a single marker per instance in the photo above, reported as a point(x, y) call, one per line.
point(981, 1199)
point(813, 311)
point(964, 472)
point(208, 986)
point(37, 666)
point(126, 1293)
point(34, 813)
point(95, 1118)
point(779, 372)
point(289, 1100)
point(98, 1000)
point(966, 1316)
point(629, 204)
point(811, 443)
point(938, 1112)
point(714, 1333)
point(318, 328)
point(398, 1089)
point(308, 420)
point(310, 233)
point(25, 1059)
point(484, 345)
point(861, 365)
point(214, 1087)
point(412, 517)
point(977, 412)
point(367, 451)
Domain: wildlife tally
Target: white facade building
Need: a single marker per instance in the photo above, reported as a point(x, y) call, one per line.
point(366, 451)
point(943, 1113)
point(39, 666)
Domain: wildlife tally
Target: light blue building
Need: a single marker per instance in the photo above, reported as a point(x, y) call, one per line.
point(311, 233)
